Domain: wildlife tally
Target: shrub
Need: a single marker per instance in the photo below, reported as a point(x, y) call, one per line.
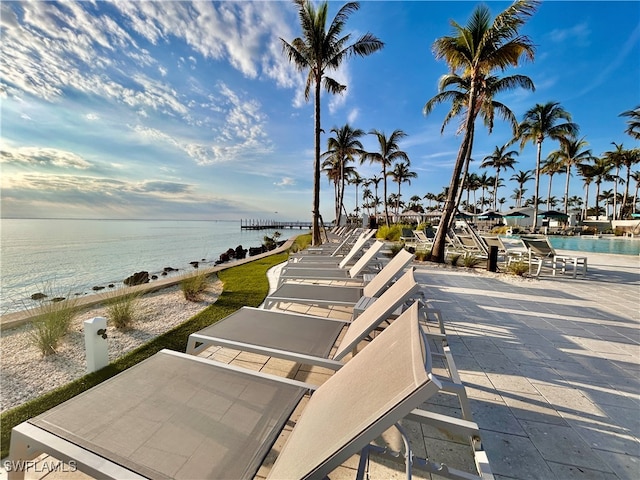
point(50, 326)
point(469, 260)
point(122, 310)
point(391, 233)
point(301, 242)
point(194, 286)
point(519, 268)
point(422, 255)
point(395, 248)
point(454, 258)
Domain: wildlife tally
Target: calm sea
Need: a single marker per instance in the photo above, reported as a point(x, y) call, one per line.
point(69, 257)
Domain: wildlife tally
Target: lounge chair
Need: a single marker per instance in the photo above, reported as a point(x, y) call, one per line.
point(349, 296)
point(325, 272)
point(418, 241)
point(292, 336)
point(541, 250)
point(179, 416)
point(354, 240)
point(341, 258)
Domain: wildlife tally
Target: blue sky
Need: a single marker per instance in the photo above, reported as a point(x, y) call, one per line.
point(190, 110)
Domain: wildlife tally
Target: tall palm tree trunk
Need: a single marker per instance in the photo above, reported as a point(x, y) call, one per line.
point(566, 190)
point(467, 160)
point(384, 185)
point(439, 243)
point(537, 188)
point(315, 226)
point(615, 195)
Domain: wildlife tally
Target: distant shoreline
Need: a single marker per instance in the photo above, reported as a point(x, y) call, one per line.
point(14, 319)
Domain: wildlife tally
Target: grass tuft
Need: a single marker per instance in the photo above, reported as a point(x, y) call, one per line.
point(519, 268)
point(194, 286)
point(50, 326)
point(122, 311)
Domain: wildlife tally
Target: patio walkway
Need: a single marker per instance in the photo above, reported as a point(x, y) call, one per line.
point(552, 366)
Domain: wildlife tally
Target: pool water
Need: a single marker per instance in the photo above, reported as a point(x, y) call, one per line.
point(617, 245)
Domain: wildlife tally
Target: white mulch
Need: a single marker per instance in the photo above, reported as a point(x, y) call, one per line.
point(26, 374)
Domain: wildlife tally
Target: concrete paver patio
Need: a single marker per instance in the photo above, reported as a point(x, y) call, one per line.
point(551, 365)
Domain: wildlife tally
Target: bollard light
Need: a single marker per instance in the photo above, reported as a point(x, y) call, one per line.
point(95, 341)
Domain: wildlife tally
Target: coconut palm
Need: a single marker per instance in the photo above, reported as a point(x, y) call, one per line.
point(601, 172)
point(320, 50)
point(571, 153)
point(521, 178)
point(608, 197)
point(499, 159)
point(486, 182)
point(389, 152)
point(540, 122)
point(621, 157)
point(342, 149)
point(367, 196)
point(356, 180)
point(633, 124)
point(552, 165)
point(375, 180)
point(585, 170)
point(472, 183)
point(631, 158)
point(401, 174)
point(636, 178)
point(474, 52)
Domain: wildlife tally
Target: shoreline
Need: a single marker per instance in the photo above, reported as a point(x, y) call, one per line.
point(87, 257)
point(15, 319)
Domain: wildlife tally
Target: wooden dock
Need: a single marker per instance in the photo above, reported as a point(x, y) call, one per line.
point(273, 225)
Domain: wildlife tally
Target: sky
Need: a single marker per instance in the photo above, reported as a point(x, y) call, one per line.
point(190, 110)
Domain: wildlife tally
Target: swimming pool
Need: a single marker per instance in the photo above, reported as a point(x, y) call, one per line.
point(617, 245)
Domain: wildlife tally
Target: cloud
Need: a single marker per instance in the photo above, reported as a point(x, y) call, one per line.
point(285, 182)
point(578, 34)
point(43, 195)
point(42, 157)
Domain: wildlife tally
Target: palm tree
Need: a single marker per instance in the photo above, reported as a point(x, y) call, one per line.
point(389, 152)
point(551, 166)
point(376, 181)
point(607, 196)
point(367, 196)
point(540, 122)
point(415, 204)
point(356, 180)
point(575, 201)
point(473, 52)
point(636, 177)
point(633, 124)
point(601, 172)
point(430, 197)
point(499, 159)
point(521, 178)
point(342, 149)
point(571, 153)
point(617, 159)
point(319, 50)
point(631, 158)
point(401, 174)
point(486, 182)
point(585, 170)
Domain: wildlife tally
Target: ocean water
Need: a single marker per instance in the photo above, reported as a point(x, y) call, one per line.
point(69, 257)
